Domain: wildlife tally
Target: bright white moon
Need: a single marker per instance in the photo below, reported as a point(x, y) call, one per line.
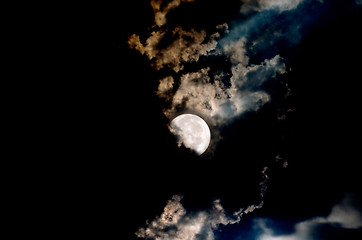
point(192, 131)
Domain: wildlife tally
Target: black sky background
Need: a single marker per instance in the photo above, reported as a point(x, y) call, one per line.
point(128, 164)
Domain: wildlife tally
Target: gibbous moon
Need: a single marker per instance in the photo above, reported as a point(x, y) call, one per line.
point(192, 131)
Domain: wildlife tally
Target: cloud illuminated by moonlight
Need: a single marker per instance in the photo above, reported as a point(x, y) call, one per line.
point(216, 95)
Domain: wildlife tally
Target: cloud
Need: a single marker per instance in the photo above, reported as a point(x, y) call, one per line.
point(160, 10)
point(181, 47)
point(344, 215)
point(199, 93)
point(245, 92)
point(208, 94)
point(261, 5)
point(249, 47)
point(165, 86)
point(218, 95)
point(263, 184)
point(176, 223)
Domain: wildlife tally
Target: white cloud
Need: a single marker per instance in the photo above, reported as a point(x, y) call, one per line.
point(261, 5)
point(345, 215)
point(246, 80)
point(236, 51)
point(282, 5)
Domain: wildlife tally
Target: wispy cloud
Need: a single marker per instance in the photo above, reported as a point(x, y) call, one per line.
point(343, 215)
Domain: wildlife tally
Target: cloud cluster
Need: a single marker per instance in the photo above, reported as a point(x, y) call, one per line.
point(176, 223)
point(215, 94)
point(179, 47)
point(218, 94)
point(343, 215)
point(208, 94)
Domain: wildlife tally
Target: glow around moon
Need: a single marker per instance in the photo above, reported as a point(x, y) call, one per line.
point(192, 131)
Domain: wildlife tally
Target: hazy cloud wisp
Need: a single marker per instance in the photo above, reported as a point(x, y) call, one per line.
point(344, 215)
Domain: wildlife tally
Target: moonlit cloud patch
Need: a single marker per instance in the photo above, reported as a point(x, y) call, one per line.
point(260, 5)
point(344, 215)
point(176, 223)
point(213, 93)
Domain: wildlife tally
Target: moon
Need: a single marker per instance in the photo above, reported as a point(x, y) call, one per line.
point(192, 131)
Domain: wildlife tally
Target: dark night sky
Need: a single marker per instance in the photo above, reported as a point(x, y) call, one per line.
point(131, 165)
